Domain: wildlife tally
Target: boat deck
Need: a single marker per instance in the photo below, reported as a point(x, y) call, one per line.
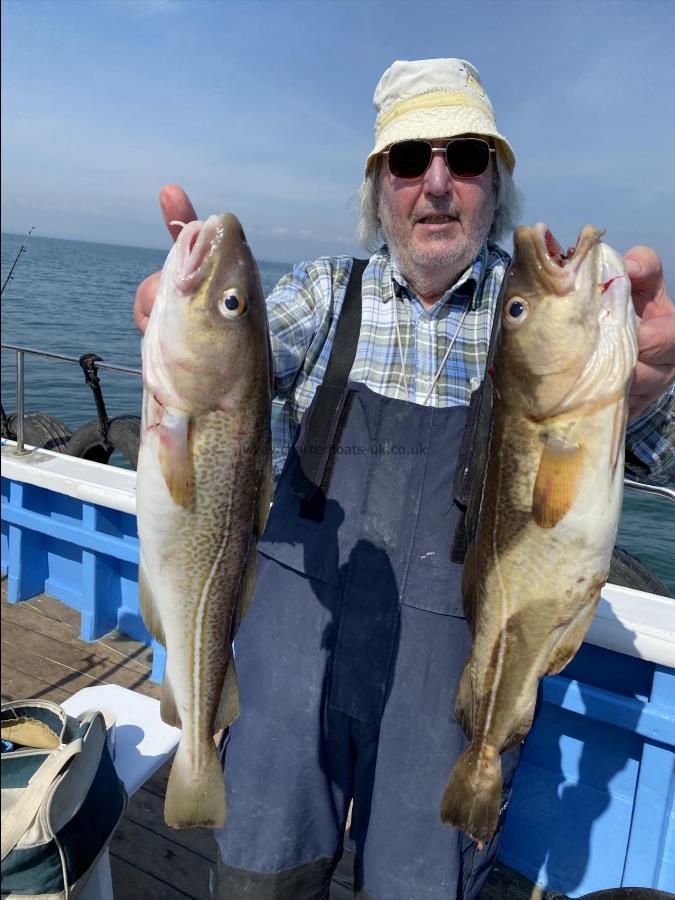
point(43, 658)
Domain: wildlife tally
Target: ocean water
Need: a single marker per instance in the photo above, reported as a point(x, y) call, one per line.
point(73, 297)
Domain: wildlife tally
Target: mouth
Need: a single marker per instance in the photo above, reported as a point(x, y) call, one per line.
point(194, 244)
point(539, 252)
point(435, 219)
point(551, 255)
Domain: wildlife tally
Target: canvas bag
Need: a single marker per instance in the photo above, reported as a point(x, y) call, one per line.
point(61, 799)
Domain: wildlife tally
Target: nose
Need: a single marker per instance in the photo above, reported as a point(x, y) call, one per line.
point(437, 178)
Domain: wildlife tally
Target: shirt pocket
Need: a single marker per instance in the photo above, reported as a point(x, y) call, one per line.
point(434, 587)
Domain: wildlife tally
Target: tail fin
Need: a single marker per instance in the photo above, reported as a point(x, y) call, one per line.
point(473, 794)
point(195, 798)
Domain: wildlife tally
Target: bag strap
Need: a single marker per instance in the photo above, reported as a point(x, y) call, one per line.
point(24, 811)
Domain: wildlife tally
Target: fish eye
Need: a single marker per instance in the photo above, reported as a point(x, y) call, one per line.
point(232, 304)
point(516, 311)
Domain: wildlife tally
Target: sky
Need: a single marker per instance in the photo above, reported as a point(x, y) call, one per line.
point(264, 108)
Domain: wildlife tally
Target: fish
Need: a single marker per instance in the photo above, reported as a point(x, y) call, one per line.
point(546, 508)
point(204, 482)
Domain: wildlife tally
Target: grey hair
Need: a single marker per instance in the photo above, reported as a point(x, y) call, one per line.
point(508, 206)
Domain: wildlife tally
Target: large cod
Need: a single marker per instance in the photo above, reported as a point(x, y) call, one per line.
point(203, 491)
point(548, 507)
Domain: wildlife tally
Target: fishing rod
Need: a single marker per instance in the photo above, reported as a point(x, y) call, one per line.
point(22, 249)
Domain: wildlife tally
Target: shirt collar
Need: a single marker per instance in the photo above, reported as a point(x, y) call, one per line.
point(465, 288)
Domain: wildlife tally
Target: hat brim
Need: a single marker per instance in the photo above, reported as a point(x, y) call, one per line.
point(440, 122)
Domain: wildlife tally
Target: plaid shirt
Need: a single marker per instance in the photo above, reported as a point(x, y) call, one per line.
point(303, 310)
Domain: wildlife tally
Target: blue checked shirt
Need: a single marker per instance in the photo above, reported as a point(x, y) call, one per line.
point(303, 310)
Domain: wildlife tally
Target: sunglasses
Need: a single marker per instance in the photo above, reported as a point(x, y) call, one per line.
point(464, 157)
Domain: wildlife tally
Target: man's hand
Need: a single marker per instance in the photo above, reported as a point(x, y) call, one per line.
point(176, 206)
point(655, 369)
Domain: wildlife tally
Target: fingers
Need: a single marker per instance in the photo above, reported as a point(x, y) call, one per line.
point(648, 287)
point(656, 340)
point(176, 206)
point(145, 297)
point(649, 382)
point(655, 369)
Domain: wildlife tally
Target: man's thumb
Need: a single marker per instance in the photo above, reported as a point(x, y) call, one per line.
point(176, 206)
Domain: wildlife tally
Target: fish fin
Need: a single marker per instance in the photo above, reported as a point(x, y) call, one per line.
point(265, 491)
point(228, 707)
point(148, 604)
point(618, 436)
point(464, 702)
point(245, 593)
point(195, 797)
point(557, 482)
point(175, 456)
point(472, 798)
point(571, 635)
point(247, 586)
point(522, 728)
point(168, 710)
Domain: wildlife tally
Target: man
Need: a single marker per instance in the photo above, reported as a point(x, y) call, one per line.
point(350, 655)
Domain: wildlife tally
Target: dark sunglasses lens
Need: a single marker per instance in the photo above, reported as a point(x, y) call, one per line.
point(409, 159)
point(468, 157)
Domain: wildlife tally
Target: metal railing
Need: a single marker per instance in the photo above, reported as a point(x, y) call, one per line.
point(20, 355)
point(630, 483)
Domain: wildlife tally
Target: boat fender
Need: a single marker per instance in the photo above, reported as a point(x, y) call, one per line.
point(124, 434)
point(39, 430)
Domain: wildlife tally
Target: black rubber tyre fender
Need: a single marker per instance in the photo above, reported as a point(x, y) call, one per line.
point(124, 435)
point(40, 430)
point(627, 571)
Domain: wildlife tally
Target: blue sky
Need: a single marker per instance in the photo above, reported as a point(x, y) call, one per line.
point(265, 109)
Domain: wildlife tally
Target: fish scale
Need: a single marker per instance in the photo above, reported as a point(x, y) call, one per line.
point(203, 489)
point(548, 504)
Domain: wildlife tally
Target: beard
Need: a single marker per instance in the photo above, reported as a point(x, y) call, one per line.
point(439, 258)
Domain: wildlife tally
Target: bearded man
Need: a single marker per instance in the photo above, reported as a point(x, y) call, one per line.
point(351, 653)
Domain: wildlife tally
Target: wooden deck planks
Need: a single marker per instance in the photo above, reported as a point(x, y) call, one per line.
point(43, 658)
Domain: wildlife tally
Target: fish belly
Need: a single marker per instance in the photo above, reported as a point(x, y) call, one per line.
point(190, 575)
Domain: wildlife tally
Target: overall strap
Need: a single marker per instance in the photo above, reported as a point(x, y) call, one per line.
point(325, 413)
point(472, 459)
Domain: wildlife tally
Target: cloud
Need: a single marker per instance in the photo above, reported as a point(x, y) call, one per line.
point(305, 233)
point(280, 231)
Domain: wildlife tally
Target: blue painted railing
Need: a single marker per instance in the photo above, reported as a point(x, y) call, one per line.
point(84, 554)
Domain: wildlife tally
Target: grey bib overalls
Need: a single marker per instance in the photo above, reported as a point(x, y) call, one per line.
point(349, 660)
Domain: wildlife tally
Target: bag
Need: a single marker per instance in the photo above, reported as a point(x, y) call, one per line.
point(61, 799)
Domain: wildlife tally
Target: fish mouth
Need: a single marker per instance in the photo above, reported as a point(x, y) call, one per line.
point(537, 245)
point(194, 246)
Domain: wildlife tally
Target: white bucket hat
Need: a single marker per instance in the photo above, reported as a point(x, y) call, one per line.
point(433, 98)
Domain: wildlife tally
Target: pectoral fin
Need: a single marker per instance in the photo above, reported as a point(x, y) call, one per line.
point(558, 481)
point(175, 456)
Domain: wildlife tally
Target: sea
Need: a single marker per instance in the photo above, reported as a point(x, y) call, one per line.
point(75, 297)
